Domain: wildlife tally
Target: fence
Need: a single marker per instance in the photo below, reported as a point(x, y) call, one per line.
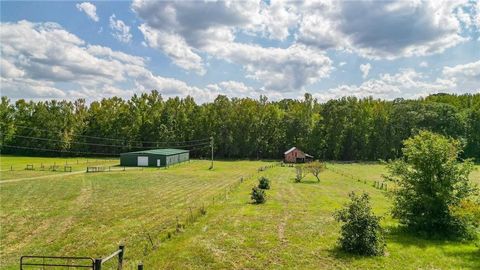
point(98, 169)
point(376, 184)
point(73, 262)
point(154, 236)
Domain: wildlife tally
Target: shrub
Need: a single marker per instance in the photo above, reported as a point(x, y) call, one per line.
point(258, 195)
point(361, 232)
point(431, 184)
point(467, 217)
point(263, 183)
point(299, 176)
point(315, 168)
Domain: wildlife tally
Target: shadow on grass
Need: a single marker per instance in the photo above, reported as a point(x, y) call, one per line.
point(469, 257)
point(465, 257)
point(307, 182)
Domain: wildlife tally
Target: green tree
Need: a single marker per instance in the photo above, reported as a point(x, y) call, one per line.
point(430, 181)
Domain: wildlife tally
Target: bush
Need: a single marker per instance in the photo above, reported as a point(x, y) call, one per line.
point(258, 195)
point(467, 217)
point(299, 176)
point(361, 232)
point(315, 168)
point(263, 183)
point(431, 183)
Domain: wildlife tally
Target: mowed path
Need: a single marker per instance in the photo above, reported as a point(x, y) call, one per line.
point(295, 229)
point(40, 177)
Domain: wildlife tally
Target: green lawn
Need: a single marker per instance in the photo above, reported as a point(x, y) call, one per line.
point(90, 214)
point(295, 230)
point(14, 167)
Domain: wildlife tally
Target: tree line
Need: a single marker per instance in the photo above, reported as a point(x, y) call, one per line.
point(347, 128)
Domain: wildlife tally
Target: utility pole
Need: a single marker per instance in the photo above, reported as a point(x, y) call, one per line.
point(211, 146)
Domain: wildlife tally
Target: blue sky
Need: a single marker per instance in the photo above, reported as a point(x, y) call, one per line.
point(384, 49)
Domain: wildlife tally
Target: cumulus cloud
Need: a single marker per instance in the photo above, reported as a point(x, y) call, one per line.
point(175, 47)
point(408, 83)
point(377, 29)
point(185, 31)
point(279, 69)
point(89, 9)
point(121, 31)
point(466, 75)
point(365, 69)
point(43, 60)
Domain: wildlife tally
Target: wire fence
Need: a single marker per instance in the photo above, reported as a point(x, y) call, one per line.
point(381, 185)
point(154, 236)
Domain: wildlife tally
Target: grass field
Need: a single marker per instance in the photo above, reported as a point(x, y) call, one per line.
point(90, 214)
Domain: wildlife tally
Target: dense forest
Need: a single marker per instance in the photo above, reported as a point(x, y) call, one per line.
point(342, 129)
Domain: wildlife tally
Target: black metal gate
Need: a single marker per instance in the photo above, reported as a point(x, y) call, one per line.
point(35, 262)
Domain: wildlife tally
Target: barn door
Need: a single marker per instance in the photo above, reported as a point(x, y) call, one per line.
point(158, 162)
point(142, 161)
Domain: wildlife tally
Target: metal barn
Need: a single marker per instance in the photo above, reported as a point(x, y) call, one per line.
point(154, 157)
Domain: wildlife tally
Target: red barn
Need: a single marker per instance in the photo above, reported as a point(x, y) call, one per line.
point(295, 155)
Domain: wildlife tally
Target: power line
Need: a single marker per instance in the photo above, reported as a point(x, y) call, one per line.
point(59, 151)
point(193, 147)
point(93, 144)
point(113, 139)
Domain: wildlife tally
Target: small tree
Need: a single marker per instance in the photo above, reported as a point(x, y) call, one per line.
point(361, 232)
point(431, 184)
point(258, 195)
point(263, 183)
point(315, 168)
point(299, 176)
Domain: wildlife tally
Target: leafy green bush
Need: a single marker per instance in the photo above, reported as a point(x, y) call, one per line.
point(264, 183)
point(299, 173)
point(258, 195)
point(431, 184)
point(467, 217)
point(361, 232)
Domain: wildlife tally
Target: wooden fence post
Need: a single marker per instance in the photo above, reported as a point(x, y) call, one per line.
point(120, 256)
point(98, 264)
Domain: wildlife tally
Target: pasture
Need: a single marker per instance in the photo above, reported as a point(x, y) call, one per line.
point(82, 214)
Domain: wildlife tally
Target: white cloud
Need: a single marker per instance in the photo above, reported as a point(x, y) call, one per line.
point(341, 64)
point(408, 83)
point(467, 76)
point(278, 69)
point(365, 69)
point(121, 31)
point(43, 60)
point(424, 64)
point(89, 9)
point(377, 29)
point(184, 31)
point(476, 19)
point(175, 47)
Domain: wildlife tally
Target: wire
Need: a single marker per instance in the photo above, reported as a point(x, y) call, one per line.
point(113, 139)
point(86, 153)
point(60, 151)
point(91, 144)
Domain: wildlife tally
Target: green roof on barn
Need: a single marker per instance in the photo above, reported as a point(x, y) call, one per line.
point(165, 152)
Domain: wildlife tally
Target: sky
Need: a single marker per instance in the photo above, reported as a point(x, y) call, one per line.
point(280, 49)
